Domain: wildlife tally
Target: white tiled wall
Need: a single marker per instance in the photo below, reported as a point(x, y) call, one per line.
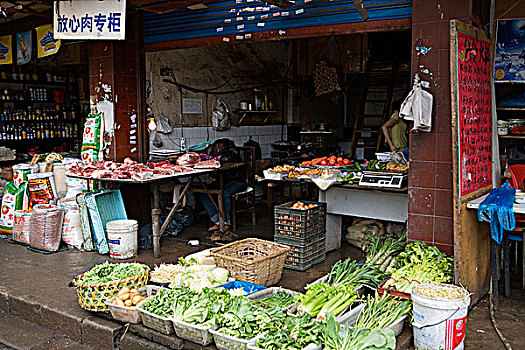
point(264, 134)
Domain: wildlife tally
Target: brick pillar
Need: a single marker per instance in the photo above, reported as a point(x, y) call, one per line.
point(114, 75)
point(116, 65)
point(430, 198)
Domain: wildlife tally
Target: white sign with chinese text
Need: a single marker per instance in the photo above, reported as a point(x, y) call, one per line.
point(78, 19)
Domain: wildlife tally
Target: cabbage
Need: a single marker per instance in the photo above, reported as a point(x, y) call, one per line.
point(220, 275)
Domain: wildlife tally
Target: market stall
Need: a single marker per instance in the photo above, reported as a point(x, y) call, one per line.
point(364, 189)
point(192, 175)
point(212, 297)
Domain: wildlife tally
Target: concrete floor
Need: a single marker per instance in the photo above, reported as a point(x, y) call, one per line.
point(33, 286)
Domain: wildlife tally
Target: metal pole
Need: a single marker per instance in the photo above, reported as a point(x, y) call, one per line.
point(155, 219)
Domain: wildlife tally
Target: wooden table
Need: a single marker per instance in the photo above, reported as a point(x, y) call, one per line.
point(155, 182)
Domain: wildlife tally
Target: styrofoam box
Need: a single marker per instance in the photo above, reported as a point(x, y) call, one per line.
point(273, 176)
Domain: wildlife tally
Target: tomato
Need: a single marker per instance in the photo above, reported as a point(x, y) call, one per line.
point(332, 157)
point(339, 159)
point(324, 162)
point(339, 164)
point(346, 161)
point(332, 162)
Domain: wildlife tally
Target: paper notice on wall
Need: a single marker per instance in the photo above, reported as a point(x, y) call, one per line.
point(192, 106)
point(107, 110)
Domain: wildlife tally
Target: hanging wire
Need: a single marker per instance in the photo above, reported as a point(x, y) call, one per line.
point(213, 91)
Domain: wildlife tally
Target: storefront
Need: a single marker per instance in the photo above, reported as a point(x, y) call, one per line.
point(304, 91)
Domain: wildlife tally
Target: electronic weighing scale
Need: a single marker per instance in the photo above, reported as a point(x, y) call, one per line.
point(383, 179)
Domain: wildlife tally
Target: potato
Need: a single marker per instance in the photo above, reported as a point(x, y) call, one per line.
point(134, 291)
point(128, 302)
point(118, 302)
point(136, 299)
point(123, 291)
point(124, 296)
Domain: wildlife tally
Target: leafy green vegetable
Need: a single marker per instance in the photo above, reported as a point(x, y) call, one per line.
point(202, 308)
point(279, 299)
point(294, 333)
point(346, 338)
point(350, 273)
point(107, 272)
point(162, 303)
point(381, 311)
point(322, 298)
point(420, 263)
point(382, 250)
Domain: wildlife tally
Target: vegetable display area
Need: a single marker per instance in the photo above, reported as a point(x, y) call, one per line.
point(351, 307)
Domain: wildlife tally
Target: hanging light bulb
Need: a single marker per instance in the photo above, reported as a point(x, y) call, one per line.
point(152, 125)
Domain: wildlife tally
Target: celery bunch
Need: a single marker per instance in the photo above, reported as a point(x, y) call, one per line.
point(323, 298)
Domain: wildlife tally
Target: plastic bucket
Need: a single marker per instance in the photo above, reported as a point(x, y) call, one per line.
point(439, 323)
point(122, 238)
point(20, 172)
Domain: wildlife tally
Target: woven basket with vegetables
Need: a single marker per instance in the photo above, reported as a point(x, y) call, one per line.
point(104, 281)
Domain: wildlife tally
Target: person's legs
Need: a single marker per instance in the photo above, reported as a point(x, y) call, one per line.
point(210, 208)
point(230, 189)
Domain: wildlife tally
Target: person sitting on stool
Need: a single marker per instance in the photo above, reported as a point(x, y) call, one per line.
point(234, 182)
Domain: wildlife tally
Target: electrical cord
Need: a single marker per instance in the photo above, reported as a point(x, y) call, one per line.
point(212, 91)
point(493, 320)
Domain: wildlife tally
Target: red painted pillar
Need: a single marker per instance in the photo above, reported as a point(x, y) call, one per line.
point(430, 198)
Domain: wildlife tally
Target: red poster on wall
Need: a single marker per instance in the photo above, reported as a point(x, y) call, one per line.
point(474, 113)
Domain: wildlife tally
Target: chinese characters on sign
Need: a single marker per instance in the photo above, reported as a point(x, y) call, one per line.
point(90, 20)
point(474, 113)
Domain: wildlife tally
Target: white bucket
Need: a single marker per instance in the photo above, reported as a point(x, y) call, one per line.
point(439, 323)
point(122, 238)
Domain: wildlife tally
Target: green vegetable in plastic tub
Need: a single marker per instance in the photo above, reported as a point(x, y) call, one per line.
point(346, 338)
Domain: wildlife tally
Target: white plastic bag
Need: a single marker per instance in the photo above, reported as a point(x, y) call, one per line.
point(220, 116)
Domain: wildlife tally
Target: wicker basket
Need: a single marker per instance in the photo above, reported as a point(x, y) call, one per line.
point(93, 297)
point(253, 260)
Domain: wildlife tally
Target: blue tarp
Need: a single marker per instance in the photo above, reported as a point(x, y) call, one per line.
point(231, 17)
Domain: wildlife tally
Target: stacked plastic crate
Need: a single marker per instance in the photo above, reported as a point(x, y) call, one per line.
point(304, 230)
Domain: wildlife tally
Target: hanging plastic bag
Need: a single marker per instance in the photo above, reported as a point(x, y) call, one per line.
point(325, 79)
point(92, 132)
point(497, 209)
point(41, 189)
point(220, 116)
point(163, 125)
point(157, 141)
